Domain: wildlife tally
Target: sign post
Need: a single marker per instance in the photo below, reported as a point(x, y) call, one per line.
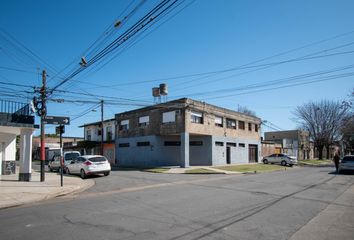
point(61, 121)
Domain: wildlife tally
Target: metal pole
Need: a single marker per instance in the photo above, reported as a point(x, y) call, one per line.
point(43, 114)
point(61, 154)
point(102, 127)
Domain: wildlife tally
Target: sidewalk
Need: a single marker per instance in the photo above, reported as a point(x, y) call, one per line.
point(15, 193)
point(335, 222)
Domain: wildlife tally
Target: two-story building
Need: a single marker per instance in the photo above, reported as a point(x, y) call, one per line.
point(294, 142)
point(93, 138)
point(16, 120)
point(186, 132)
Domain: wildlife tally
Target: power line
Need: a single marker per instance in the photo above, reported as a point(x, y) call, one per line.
point(141, 24)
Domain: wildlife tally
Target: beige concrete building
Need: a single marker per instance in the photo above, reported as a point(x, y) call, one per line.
point(294, 142)
point(186, 132)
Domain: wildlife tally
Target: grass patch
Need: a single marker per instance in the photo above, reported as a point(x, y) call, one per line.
point(201, 171)
point(155, 170)
point(251, 168)
point(315, 162)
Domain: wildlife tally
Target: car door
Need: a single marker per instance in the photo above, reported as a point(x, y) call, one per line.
point(74, 165)
point(272, 158)
point(280, 158)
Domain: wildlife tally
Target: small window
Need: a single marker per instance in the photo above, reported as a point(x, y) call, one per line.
point(99, 132)
point(241, 125)
point(123, 145)
point(172, 143)
point(242, 145)
point(144, 121)
point(250, 126)
point(256, 127)
point(196, 143)
point(168, 117)
point(220, 144)
point(124, 125)
point(231, 123)
point(197, 117)
point(143, 144)
point(231, 144)
point(219, 121)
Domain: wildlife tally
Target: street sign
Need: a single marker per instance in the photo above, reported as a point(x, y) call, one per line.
point(56, 120)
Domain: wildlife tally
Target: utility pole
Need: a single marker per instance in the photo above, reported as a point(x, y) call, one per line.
point(43, 114)
point(102, 127)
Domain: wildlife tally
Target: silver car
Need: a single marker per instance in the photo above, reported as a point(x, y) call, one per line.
point(55, 164)
point(280, 159)
point(89, 165)
point(347, 163)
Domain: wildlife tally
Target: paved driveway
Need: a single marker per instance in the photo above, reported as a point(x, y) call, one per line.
point(138, 205)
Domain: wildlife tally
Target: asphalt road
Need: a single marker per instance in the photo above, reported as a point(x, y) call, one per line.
point(139, 205)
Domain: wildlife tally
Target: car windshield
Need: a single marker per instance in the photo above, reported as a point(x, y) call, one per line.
point(97, 159)
point(71, 156)
point(348, 159)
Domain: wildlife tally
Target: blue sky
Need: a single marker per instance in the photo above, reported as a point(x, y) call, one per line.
point(294, 38)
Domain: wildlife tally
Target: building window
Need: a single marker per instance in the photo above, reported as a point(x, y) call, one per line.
point(124, 125)
point(220, 144)
point(143, 144)
point(196, 117)
point(242, 145)
point(88, 135)
point(144, 121)
point(196, 143)
point(241, 125)
point(109, 134)
point(123, 145)
point(172, 143)
point(168, 117)
point(218, 121)
point(250, 126)
point(231, 144)
point(256, 127)
point(231, 123)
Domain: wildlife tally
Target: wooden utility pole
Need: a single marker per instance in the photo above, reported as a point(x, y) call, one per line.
point(102, 127)
point(43, 114)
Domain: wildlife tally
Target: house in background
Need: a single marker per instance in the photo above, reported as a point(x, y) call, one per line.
point(93, 137)
point(16, 120)
point(294, 142)
point(186, 132)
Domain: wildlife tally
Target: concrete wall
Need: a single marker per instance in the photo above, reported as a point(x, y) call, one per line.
point(238, 154)
point(7, 148)
point(157, 154)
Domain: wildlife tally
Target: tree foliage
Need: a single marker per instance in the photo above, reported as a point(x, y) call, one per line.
point(324, 121)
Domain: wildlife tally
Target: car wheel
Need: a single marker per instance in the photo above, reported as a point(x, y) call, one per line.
point(50, 169)
point(82, 174)
point(283, 163)
point(67, 171)
point(106, 173)
point(291, 165)
point(265, 161)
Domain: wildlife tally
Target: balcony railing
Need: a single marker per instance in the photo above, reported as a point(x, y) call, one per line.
point(14, 108)
point(15, 113)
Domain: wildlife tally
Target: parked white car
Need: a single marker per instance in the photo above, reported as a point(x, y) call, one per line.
point(89, 165)
point(347, 163)
point(54, 164)
point(280, 159)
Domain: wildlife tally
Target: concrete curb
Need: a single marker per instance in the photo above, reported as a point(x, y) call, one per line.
point(15, 193)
